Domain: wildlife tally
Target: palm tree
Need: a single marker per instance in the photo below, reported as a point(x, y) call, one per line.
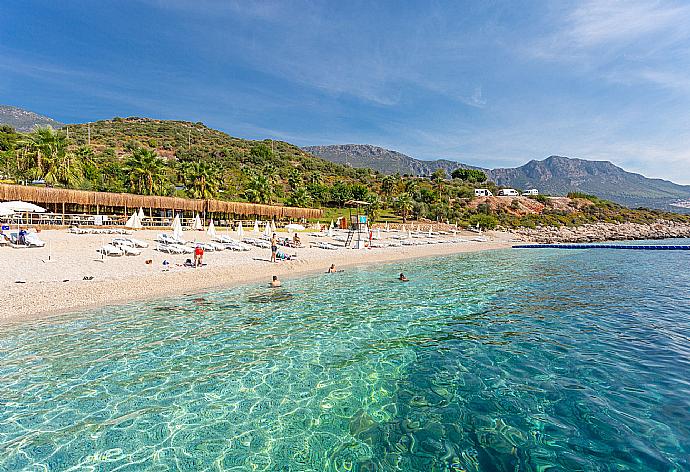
point(202, 179)
point(438, 177)
point(299, 198)
point(404, 205)
point(260, 189)
point(147, 172)
point(387, 186)
point(46, 157)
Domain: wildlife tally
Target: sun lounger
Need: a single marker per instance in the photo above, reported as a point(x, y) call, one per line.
point(32, 240)
point(110, 250)
point(169, 239)
point(169, 248)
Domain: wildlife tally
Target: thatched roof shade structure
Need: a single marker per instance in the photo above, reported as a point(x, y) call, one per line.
point(44, 195)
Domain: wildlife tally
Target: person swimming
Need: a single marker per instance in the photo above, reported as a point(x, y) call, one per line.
point(275, 282)
point(332, 269)
point(402, 278)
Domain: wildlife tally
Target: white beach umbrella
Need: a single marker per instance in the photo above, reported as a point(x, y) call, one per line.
point(267, 230)
point(273, 226)
point(22, 207)
point(240, 232)
point(429, 230)
point(141, 214)
point(211, 231)
point(404, 229)
point(177, 227)
point(132, 221)
point(256, 226)
point(137, 222)
point(378, 233)
point(197, 223)
point(409, 234)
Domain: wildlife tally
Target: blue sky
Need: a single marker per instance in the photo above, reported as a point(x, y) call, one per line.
point(488, 83)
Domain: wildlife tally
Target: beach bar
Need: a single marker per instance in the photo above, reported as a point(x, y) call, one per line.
point(62, 202)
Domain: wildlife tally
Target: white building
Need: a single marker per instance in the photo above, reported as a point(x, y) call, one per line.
point(482, 192)
point(508, 192)
point(530, 192)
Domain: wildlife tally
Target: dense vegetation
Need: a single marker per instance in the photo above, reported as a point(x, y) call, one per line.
point(153, 157)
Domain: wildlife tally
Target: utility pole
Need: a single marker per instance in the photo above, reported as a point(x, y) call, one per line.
point(89, 138)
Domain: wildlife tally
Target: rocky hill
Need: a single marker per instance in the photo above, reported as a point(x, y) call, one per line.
point(559, 175)
point(381, 159)
point(555, 175)
point(24, 120)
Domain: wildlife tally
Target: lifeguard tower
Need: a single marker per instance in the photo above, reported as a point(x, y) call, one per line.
point(358, 232)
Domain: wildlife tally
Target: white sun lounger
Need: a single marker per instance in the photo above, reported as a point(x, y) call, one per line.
point(110, 250)
point(169, 248)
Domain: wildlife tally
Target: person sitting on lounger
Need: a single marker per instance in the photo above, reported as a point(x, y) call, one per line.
point(275, 282)
point(402, 278)
point(296, 241)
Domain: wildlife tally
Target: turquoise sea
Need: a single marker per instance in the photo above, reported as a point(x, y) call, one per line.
point(512, 360)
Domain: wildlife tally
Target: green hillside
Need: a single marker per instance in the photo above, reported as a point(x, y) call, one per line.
point(154, 157)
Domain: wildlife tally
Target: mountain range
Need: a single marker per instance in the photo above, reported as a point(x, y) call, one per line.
point(555, 175)
point(24, 120)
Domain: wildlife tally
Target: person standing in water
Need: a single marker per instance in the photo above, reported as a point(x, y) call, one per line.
point(332, 269)
point(274, 247)
point(275, 282)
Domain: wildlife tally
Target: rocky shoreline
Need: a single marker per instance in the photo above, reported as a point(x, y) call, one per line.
point(661, 229)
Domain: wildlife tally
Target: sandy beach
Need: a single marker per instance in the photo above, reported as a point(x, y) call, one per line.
point(39, 282)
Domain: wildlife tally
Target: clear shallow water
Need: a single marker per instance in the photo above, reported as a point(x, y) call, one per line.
point(510, 360)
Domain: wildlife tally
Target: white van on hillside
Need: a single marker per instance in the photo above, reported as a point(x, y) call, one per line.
point(531, 192)
point(482, 192)
point(508, 192)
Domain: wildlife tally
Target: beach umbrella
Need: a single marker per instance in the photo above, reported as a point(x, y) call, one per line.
point(273, 226)
point(177, 228)
point(429, 230)
point(404, 229)
point(240, 232)
point(22, 207)
point(211, 231)
point(378, 233)
point(409, 234)
point(197, 223)
point(387, 228)
point(132, 221)
point(256, 226)
point(141, 214)
point(137, 222)
point(267, 230)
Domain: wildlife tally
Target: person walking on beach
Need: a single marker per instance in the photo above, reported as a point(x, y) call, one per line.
point(274, 247)
point(198, 256)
